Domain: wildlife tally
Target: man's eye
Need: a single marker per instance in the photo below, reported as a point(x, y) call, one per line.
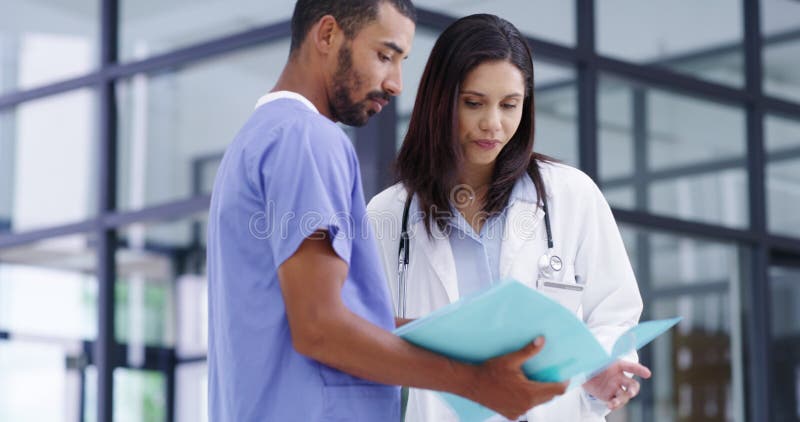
point(384, 58)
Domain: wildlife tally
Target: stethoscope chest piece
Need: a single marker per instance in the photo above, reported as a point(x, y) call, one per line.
point(549, 264)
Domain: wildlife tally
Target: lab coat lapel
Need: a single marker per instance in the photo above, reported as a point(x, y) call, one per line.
point(438, 254)
point(522, 221)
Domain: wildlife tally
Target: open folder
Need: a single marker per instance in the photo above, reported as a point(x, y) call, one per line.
point(505, 318)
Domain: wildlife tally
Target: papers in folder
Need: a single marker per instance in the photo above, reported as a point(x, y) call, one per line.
point(510, 315)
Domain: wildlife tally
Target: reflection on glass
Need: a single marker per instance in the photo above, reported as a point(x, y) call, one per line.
point(144, 311)
point(148, 27)
point(175, 125)
point(139, 396)
point(36, 385)
point(553, 20)
point(64, 268)
point(162, 302)
point(697, 366)
point(43, 41)
point(424, 39)
point(7, 153)
point(676, 35)
point(161, 289)
point(783, 175)
point(41, 141)
point(683, 157)
point(621, 197)
point(780, 29)
point(785, 321)
point(555, 93)
point(191, 392)
point(680, 261)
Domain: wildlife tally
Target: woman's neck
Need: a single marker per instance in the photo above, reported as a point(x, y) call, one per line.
point(471, 206)
point(478, 177)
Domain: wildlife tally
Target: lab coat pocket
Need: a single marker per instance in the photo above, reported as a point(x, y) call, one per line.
point(361, 403)
point(565, 291)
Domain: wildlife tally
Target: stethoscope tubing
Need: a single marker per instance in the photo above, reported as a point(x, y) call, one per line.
point(548, 259)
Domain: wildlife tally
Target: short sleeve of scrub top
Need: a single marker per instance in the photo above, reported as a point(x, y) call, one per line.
point(319, 198)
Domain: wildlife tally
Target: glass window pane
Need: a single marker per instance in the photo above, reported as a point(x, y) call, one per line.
point(161, 293)
point(139, 396)
point(549, 19)
point(684, 157)
point(174, 125)
point(697, 367)
point(148, 27)
point(675, 34)
point(785, 359)
point(424, 39)
point(37, 382)
point(191, 392)
point(780, 29)
point(556, 100)
point(43, 41)
point(62, 267)
point(47, 151)
point(783, 175)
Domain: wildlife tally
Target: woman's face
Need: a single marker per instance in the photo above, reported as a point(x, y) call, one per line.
point(489, 110)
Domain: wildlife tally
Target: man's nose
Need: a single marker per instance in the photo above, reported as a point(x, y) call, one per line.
point(393, 84)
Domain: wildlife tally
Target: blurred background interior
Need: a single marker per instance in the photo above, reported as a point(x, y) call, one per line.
point(114, 115)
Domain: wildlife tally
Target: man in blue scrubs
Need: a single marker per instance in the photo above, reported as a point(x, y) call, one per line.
point(299, 310)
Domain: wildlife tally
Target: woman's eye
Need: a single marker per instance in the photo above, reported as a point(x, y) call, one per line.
point(472, 103)
point(509, 106)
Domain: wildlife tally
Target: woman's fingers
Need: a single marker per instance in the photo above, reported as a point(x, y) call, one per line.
point(628, 389)
point(635, 368)
point(631, 387)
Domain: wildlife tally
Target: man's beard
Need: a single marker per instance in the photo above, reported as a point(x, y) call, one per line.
point(346, 81)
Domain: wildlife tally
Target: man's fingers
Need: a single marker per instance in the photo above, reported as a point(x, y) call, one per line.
point(553, 388)
point(545, 391)
point(520, 356)
point(635, 368)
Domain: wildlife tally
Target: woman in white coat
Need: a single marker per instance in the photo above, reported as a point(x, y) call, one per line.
point(476, 196)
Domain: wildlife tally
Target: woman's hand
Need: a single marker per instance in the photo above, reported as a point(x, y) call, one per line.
point(613, 386)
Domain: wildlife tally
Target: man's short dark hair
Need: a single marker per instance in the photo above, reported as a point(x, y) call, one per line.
point(351, 15)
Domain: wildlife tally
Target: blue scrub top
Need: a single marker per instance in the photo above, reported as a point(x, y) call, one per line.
point(289, 172)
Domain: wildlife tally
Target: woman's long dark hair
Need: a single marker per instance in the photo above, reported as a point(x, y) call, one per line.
point(430, 159)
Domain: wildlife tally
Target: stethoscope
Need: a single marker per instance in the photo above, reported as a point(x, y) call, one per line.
point(549, 263)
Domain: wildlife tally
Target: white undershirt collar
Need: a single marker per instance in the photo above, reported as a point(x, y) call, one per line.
point(277, 95)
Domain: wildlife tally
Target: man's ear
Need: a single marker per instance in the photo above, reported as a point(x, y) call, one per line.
point(325, 34)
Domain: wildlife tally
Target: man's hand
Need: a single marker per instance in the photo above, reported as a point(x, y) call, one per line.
point(324, 329)
point(399, 322)
point(501, 385)
point(613, 386)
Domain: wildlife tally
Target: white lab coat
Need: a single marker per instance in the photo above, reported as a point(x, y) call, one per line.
point(586, 238)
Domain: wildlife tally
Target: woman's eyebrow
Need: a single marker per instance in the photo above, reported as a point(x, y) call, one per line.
point(480, 94)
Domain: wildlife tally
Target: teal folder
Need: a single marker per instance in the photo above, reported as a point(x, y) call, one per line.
point(506, 317)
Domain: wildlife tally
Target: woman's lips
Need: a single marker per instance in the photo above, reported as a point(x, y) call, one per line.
point(486, 144)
